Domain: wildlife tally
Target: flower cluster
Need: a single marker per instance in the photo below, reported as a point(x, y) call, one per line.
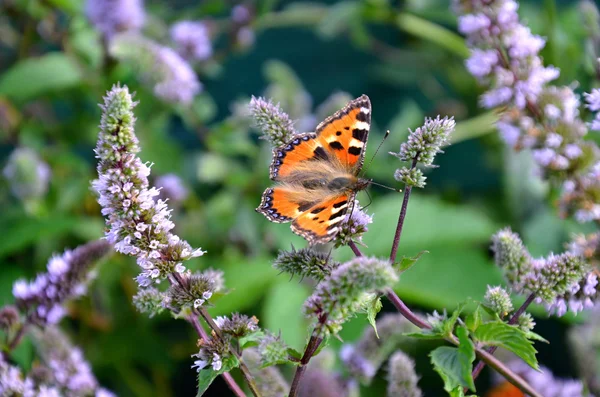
point(212, 352)
point(68, 274)
point(27, 174)
point(238, 326)
point(149, 300)
point(305, 262)
point(364, 358)
point(497, 299)
point(560, 281)
point(66, 368)
point(138, 225)
point(540, 117)
point(402, 379)
point(340, 295)
point(114, 16)
point(354, 226)
point(62, 371)
point(241, 17)
point(193, 290)
point(542, 381)
point(275, 125)
point(426, 141)
point(192, 40)
point(171, 76)
point(272, 349)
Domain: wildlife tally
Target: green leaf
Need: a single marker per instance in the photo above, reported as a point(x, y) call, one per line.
point(452, 364)
point(373, 307)
point(33, 77)
point(473, 320)
point(509, 337)
point(533, 336)
point(252, 339)
point(428, 335)
point(207, 376)
point(448, 326)
point(294, 353)
point(406, 262)
point(466, 350)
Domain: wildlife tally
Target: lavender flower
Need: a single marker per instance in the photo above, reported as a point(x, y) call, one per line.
point(402, 379)
point(354, 226)
point(114, 16)
point(240, 14)
point(498, 300)
point(42, 300)
point(511, 256)
point(173, 79)
point(526, 322)
point(305, 262)
point(410, 177)
point(27, 174)
point(340, 296)
point(426, 141)
point(275, 125)
point(138, 225)
point(192, 40)
point(212, 353)
point(12, 381)
point(364, 358)
point(542, 381)
point(171, 188)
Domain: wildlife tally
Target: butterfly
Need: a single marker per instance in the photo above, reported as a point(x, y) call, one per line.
point(316, 174)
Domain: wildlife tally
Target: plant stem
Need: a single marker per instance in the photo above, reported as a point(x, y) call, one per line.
point(311, 348)
point(235, 388)
point(401, 218)
point(513, 320)
point(243, 367)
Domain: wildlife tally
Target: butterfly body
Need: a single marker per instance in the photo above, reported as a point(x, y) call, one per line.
point(316, 174)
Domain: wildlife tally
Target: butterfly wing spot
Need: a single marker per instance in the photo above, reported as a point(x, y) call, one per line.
point(321, 223)
point(320, 154)
point(345, 133)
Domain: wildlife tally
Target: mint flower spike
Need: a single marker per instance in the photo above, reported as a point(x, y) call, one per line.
point(498, 299)
point(339, 297)
point(42, 300)
point(275, 125)
point(402, 378)
point(137, 223)
point(305, 262)
point(426, 141)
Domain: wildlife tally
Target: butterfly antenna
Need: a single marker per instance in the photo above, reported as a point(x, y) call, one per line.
point(385, 186)
point(370, 200)
point(387, 133)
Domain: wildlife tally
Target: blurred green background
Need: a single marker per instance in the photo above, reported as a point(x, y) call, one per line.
point(406, 56)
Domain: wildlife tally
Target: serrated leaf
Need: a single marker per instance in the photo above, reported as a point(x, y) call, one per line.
point(32, 77)
point(373, 307)
point(448, 325)
point(452, 365)
point(407, 262)
point(467, 356)
point(207, 376)
point(252, 339)
point(509, 337)
point(473, 320)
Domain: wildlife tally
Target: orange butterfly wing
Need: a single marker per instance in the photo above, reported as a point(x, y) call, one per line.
point(280, 205)
point(342, 136)
point(320, 223)
point(345, 134)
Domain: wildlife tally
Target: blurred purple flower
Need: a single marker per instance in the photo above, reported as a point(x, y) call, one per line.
point(27, 174)
point(192, 40)
point(172, 188)
point(115, 16)
point(68, 274)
